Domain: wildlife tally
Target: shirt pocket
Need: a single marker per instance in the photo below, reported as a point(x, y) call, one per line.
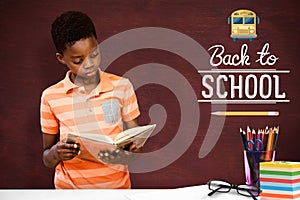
point(111, 111)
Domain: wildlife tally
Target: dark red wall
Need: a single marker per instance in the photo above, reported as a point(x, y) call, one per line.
point(28, 66)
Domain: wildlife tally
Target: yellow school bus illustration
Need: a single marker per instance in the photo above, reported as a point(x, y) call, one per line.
point(243, 25)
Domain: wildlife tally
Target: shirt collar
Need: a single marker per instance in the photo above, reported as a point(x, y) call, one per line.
point(105, 84)
point(68, 84)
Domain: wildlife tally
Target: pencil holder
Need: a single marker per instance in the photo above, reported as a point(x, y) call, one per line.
point(252, 160)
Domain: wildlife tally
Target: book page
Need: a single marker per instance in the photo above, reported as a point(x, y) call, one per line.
point(134, 132)
point(94, 137)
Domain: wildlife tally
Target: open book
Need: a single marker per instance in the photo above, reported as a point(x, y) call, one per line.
point(92, 145)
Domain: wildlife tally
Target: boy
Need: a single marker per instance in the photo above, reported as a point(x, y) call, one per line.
point(87, 100)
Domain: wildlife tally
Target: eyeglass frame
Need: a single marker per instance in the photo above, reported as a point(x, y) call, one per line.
point(233, 186)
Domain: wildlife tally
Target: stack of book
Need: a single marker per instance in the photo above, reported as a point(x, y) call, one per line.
point(280, 180)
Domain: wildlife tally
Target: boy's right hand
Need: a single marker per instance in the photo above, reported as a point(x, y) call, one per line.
point(66, 151)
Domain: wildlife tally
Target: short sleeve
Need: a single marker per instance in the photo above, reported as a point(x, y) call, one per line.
point(130, 109)
point(49, 123)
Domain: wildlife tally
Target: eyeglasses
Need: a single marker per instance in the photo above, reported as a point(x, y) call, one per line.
point(242, 189)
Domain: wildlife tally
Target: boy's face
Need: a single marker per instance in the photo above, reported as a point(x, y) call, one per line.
point(82, 58)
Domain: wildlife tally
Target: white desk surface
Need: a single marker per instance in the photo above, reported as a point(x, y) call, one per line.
point(186, 193)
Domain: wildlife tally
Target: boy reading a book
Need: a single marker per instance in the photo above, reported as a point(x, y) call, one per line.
point(87, 100)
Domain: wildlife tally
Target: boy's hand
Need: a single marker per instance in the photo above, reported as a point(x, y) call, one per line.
point(114, 157)
point(66, 151)
point(119, 155)
point(133, 148)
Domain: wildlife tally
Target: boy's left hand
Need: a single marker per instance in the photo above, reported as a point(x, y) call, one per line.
point(119, 155)
point(133, 148)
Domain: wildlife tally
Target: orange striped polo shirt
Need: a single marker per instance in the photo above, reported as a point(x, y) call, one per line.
point(66, 108)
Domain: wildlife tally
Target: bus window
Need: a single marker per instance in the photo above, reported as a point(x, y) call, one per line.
point(237, 20)
point(249, 20)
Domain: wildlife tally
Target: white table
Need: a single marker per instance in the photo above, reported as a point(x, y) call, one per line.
point(187, 193)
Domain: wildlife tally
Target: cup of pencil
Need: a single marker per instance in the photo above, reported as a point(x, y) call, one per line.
point(259, 146)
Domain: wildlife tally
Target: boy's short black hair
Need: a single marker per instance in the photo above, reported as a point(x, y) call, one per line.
point(70, 27)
